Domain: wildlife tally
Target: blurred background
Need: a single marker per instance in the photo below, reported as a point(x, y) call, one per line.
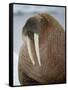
point(20, 14)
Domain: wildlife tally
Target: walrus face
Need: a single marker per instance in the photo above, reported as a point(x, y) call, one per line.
point(32, 30)
point(33, 25)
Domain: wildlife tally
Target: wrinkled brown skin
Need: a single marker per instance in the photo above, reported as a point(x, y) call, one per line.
point(52, 53)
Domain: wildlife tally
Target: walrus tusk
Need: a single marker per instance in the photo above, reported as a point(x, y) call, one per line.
point(36, 42)
point(29, 47)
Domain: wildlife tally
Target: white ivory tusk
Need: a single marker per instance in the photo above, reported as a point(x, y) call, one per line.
point(36, 41)
point(29, 49)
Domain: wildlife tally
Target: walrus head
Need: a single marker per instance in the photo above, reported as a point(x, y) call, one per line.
point(32, 31)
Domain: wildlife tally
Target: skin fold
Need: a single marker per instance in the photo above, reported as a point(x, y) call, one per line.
point(51, 48)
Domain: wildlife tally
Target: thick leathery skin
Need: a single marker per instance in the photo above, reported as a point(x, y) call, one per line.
point(52, 54)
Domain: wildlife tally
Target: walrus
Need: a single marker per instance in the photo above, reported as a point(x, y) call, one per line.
point(42, 57)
